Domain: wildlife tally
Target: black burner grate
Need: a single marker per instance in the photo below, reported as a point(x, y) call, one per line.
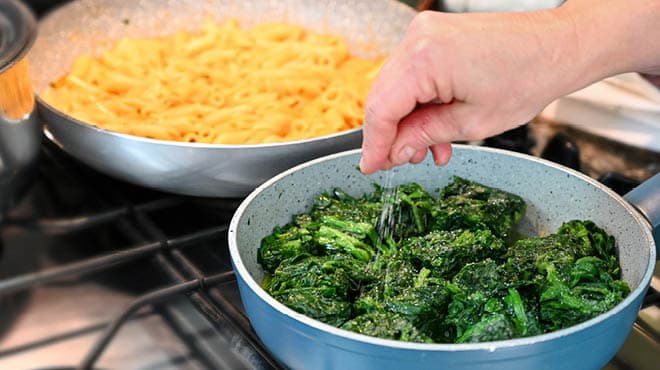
point(150, 224)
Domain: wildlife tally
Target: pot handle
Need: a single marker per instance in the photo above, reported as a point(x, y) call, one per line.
point(20, 133)
point(646, 198)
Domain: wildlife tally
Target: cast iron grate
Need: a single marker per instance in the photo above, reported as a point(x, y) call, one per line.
point(144, 218)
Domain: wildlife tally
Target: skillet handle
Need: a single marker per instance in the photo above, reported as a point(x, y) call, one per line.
point(646, 198)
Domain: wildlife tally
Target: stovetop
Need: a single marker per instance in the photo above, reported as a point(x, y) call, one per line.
point(101, 274)
point(82, 252)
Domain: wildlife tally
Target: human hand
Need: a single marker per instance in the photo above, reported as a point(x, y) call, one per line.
point(465, 77)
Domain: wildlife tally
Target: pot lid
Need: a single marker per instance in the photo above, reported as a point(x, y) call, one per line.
point(17, 32)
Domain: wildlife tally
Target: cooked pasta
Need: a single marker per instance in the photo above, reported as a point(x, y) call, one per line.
point(225, 84)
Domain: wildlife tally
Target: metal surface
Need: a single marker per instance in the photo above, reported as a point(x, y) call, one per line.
point(192, 168)
point(17, 32)
point(20, 136)
point(646, 197)
point(554, 195)
point(85, 251)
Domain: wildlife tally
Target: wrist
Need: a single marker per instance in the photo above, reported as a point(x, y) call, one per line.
point(612, 37)
point(565, 61)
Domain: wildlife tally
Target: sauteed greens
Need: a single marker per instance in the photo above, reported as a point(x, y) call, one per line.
point(447, 269)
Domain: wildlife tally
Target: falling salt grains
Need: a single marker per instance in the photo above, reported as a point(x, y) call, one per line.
point(385, 227)
point(389, 198)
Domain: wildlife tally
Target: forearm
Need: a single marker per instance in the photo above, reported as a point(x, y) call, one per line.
point(614, 36)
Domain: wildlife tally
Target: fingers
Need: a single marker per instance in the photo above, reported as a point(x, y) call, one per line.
point(384, 107)
point(431, 126)
point(441, 153)
point(419, 156)
point(396, 92)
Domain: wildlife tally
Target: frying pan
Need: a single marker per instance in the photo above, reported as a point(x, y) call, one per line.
point(554, 194)
point(89, 26)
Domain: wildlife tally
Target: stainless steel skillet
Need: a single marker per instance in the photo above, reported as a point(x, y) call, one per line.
point(89, 26)
point(554, 194)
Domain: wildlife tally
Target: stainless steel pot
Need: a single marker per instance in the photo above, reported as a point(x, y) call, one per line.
point(20, 133)
point(554, 194)
point(88, 26)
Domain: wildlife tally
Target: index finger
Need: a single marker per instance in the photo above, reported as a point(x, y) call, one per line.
point(397, 90)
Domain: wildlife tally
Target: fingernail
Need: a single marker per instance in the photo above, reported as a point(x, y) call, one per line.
point(405, 154)
point(361, 164)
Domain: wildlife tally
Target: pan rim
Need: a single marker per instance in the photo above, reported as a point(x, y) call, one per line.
point(255, 288)
point(182, 144)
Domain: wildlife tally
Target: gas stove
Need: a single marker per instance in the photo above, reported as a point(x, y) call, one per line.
point(100, 274)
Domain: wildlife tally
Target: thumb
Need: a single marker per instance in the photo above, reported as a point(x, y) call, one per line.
point(429, 126)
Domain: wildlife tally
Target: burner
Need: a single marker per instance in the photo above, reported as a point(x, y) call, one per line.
point(562, 150)
point(16, 257)
point(517, 140)
point(619, 183)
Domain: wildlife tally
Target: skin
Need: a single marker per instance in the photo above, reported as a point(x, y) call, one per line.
point(463, 77)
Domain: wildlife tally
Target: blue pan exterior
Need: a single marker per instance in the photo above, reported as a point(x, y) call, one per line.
point(300, 346)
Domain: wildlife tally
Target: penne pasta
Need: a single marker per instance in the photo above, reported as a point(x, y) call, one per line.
point(224, 84)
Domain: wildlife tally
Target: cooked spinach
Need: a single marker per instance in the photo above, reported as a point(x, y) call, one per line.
point(446, 270)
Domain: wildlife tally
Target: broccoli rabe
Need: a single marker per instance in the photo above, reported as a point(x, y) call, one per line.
point(423, 304)
point(444, 252)
point(401, 264)
point(587, 291)
point(465, 204)
point(523, 313)
point(386, 324)
point(491, 327)
point(283, 243)
point(391, 277)
point(484, 276)
point(404, 210)
point(314, 286)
